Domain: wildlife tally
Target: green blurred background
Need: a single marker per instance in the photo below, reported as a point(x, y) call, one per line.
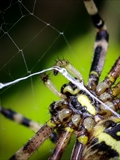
point(41, 45)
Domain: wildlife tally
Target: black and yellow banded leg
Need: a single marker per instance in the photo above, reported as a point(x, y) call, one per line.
point(61, 144)
point(20, 119)
point(35, 142)
point(101, 44)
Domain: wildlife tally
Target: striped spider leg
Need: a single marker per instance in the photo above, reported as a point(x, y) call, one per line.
point(100, 47)
point(20, 119)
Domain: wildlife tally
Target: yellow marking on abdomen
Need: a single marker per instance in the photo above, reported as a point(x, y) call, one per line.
point(110, 141)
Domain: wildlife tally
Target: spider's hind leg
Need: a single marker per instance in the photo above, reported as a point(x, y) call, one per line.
point(100, 46)
point(20, 119)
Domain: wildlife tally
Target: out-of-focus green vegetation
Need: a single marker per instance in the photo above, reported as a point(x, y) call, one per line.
point(30, 97)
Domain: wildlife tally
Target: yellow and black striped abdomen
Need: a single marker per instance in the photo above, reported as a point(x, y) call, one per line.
point(105, 141)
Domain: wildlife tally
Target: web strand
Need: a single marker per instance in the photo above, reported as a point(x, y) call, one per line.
point(2, 85)
point(64, 72)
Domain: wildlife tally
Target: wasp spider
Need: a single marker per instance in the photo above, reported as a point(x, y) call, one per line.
point(97, 129)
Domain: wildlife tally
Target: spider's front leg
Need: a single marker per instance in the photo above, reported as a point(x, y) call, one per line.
point(20, 119)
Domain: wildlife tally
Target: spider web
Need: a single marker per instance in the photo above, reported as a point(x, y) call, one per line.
point(33, 34)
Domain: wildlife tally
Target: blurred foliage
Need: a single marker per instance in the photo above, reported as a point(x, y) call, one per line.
point(40, 50)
